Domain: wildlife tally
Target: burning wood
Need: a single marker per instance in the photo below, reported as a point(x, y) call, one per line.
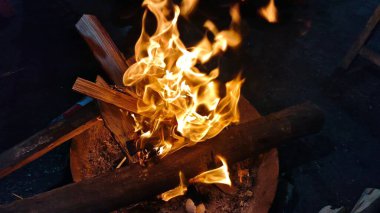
point(174, 104)
point(179, 104)
point(135, 183)
point(105, 94)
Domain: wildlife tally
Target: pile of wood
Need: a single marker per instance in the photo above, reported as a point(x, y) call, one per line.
point(255, 134)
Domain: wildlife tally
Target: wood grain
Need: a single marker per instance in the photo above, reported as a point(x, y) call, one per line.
point(107, 95)
point(103, 48)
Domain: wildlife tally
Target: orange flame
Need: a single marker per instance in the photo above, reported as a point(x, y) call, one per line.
point(269, 12)
point(179, 104)
point(178, 191)
point(187, 7)
point(219, 175)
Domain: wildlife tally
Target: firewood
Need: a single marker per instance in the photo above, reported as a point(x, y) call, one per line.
point(362, 39)
point(135, 183)
point(47, 139)
point(370, 55)
point(114, 64)
point(107, 95)
point(117, 121)
point(103, 48)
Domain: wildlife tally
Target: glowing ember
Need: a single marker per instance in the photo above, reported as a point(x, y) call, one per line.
point(178, 191)
point(219, 175)
point(269, 12)
point(178, 103)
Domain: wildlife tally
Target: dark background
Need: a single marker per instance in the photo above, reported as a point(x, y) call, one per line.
point(41, 54)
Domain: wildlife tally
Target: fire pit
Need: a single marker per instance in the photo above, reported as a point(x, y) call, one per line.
point(163, 130)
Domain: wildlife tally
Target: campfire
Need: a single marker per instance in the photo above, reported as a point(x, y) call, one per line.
point(165, 124)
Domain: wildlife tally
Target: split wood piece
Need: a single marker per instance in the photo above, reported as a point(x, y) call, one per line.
point(135, 183)
point(107, 95)
point(103, 48)
point(362, 39)
point(47, 139)
point(117, 121)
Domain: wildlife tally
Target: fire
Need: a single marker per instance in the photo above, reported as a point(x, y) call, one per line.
point(219, 175)
point(178, 191)
point(179, 103)
point(269, 12)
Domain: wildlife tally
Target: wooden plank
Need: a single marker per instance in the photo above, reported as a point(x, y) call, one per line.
point(362, 39)
point(103, 48)
point(113, 190)
point(47, 139)
point(107, 95)
point(370, 55)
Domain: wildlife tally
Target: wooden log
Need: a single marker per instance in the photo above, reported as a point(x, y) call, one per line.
point(47, 139)
point(370, 55)
point(107, 95)
point(103, 48)
point(135, 183)
point(362, 39)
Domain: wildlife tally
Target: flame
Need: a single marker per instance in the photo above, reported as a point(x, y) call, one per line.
point(269, 12)
point(219, 175)
point(178, 103)
point(178, 191)
point(188, 6)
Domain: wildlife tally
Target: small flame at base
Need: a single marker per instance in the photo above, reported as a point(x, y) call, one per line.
point(219, 175)
point(178, 191)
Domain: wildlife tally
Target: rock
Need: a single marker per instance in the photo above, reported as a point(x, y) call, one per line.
point(329, 209)
point(190, 206)
point(201, 208)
